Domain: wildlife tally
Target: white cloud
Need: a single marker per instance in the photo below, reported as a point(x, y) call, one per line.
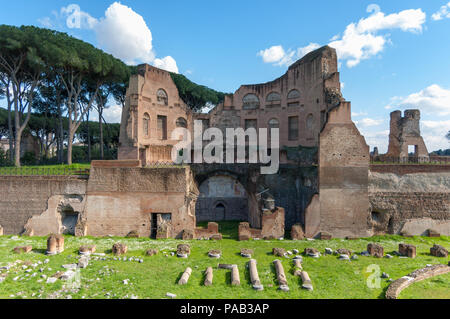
point(277, 55)
point(168, 63)
point(121, 32)
point(433, 132)
point(46, 22)
point(272, 54)
point(431, 100)
point(444, 12)
point(125, 34)
point(356, 114)
point(368, 122)
point(360, 41)
point(112, 114)
point(301, 52)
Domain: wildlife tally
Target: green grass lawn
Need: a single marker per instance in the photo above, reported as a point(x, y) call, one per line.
point(157, 275)
point(42, 170)
point(433, 288)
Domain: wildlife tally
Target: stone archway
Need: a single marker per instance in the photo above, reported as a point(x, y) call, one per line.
point(222, 197)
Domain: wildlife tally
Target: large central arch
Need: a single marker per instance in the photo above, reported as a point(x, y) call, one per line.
point(222, 197)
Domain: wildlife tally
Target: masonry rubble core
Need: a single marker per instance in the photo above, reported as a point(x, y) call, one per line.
point(325, 183)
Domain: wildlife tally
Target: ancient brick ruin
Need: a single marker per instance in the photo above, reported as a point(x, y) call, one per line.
point(325, 186)
point(404, 137)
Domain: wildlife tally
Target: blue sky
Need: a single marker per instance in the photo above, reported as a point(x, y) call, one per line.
point(393, 54)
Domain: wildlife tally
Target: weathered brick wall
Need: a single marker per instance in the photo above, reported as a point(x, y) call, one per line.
point(24, 197)
point(410, 203)
point(120, 200)
point(403, 169)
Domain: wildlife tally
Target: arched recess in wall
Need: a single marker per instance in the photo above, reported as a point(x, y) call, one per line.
point(293, 94)
point(222, 197)
point(146, 124)
point(161, 97)
point(250, 102)
point(273, 99)
point(181, 122)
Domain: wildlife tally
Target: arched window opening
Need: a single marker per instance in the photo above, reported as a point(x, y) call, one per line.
point(146, 124)
point(293, 94)
point(250, 102)
point(181, 122)
point(161, 97)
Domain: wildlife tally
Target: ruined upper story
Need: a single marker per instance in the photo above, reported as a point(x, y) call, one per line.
point(297, 102)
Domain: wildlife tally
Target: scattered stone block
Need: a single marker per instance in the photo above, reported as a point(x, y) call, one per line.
point(297, 232)
point(185, 277)
point(247, 253)
point(281, 277)
point(235, 279)
point(254, 277)
point(213, 227)
point(433, 233)
point(325, 236)
point(328, 251)
point(171, 295)
point(216, 237)
point(306, 281)
point(344, 251)
point(119, 249)
point(312, 252)
point(59, 243)
point(438, 251)
point(355, 257)
point(244, 231)
point(133, 234)
point(52, 245)
point(280, 252)
point(188, 234)
point(151, 252)
point(284, 288)
point(208, 276)
point(69, 266)
point(24, 249)
point(225, 266)
point(215, 253)
point(297, 267)
point(68, 275)
point(87, 250)
point(183, 250)
point(83, 262)
point(344, 257)
point(375, 250)
point(407, 250)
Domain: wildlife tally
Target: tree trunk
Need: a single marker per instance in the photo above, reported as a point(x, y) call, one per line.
point(100, 114)
point(69, 148)
point(88, 137)
point(10, 128)
point(61, 137)
point(17, 148)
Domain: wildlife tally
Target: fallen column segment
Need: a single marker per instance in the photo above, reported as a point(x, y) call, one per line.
point(185, 277)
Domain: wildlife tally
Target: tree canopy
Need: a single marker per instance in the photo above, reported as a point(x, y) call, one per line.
point(196, 96)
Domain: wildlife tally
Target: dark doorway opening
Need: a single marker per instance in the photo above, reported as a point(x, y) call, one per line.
point(69, 219)
point(219, 212)
point(154, 226)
